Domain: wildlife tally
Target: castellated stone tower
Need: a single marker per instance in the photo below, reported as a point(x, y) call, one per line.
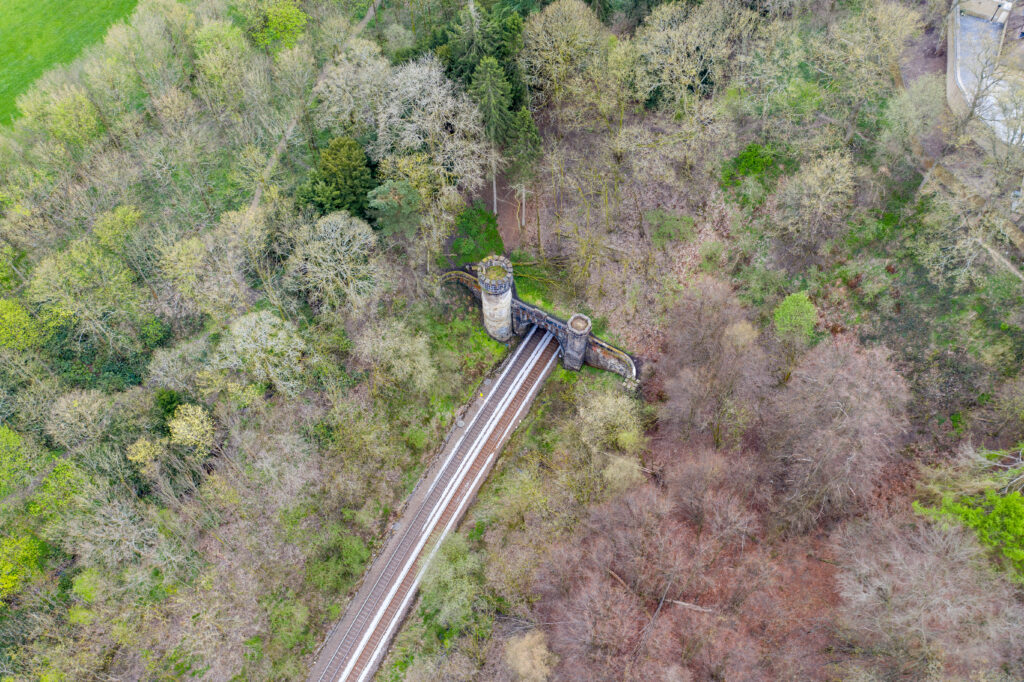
point(495, 276)
point(578, 333)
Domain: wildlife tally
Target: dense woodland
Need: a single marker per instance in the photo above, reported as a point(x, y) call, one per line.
point(225, 360)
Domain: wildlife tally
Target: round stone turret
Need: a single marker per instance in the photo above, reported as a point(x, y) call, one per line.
point(495, 276)
point(577, 336)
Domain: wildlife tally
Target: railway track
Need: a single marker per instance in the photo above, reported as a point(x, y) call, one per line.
point(355, 648)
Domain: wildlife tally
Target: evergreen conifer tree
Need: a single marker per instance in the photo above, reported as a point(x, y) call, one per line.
point(491, 91)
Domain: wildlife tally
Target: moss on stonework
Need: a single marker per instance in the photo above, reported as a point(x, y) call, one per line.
point(495, 273)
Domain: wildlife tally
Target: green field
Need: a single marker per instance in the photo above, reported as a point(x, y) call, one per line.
point(37, 34)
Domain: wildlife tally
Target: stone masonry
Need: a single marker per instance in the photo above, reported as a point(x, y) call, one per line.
point(504, 314)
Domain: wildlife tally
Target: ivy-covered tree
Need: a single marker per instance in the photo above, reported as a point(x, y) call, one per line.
point(15, 464)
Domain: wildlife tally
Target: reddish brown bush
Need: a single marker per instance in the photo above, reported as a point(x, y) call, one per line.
point(645, 591)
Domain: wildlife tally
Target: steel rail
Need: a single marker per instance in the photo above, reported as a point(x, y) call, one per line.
point(409, 534)
point(437, 503)
point(437, 509)
point(462, 501)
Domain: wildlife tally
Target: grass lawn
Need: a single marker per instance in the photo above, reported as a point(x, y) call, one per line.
point(37, 34)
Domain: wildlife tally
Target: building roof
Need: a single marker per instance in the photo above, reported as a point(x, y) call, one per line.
point(989, 63)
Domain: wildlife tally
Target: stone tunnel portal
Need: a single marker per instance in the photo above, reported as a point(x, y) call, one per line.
point(505, 315)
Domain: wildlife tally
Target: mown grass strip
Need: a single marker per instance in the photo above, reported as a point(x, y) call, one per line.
point(37, 34)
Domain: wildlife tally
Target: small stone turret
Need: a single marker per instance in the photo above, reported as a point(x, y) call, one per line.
point(495, 276)
point(577, 335)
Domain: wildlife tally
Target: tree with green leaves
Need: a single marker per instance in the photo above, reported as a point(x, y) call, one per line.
point(491, 92)
point(341, 180)
point(505, 37)
point(92, 288)
point(277, 24)
point(795, 318)
point(20, 559)
point(18, 329)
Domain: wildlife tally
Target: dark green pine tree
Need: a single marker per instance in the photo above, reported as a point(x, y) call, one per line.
point(504, 38)
point(522, 144)
point(467, 42)
point(523, 150)
point(491, 91)
point(478, 33)
point(341, 180)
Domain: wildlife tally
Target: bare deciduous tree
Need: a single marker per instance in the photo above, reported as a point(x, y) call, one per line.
point(423, 112)
point(79, 418)
point(833, 428)
point(561, 44)
point(268, 348)
point(685, 49)
point(812, 203)
point(349, 91)
point(921, 599)
point(716, 371)
point(336, 262)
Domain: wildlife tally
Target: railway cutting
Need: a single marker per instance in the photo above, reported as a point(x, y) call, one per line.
point(358, 643)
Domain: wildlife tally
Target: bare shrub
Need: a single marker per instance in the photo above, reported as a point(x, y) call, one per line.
point(833, 428)
point(921, 599)
point(79, 418)
point(810, 205)
point(529, 657)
